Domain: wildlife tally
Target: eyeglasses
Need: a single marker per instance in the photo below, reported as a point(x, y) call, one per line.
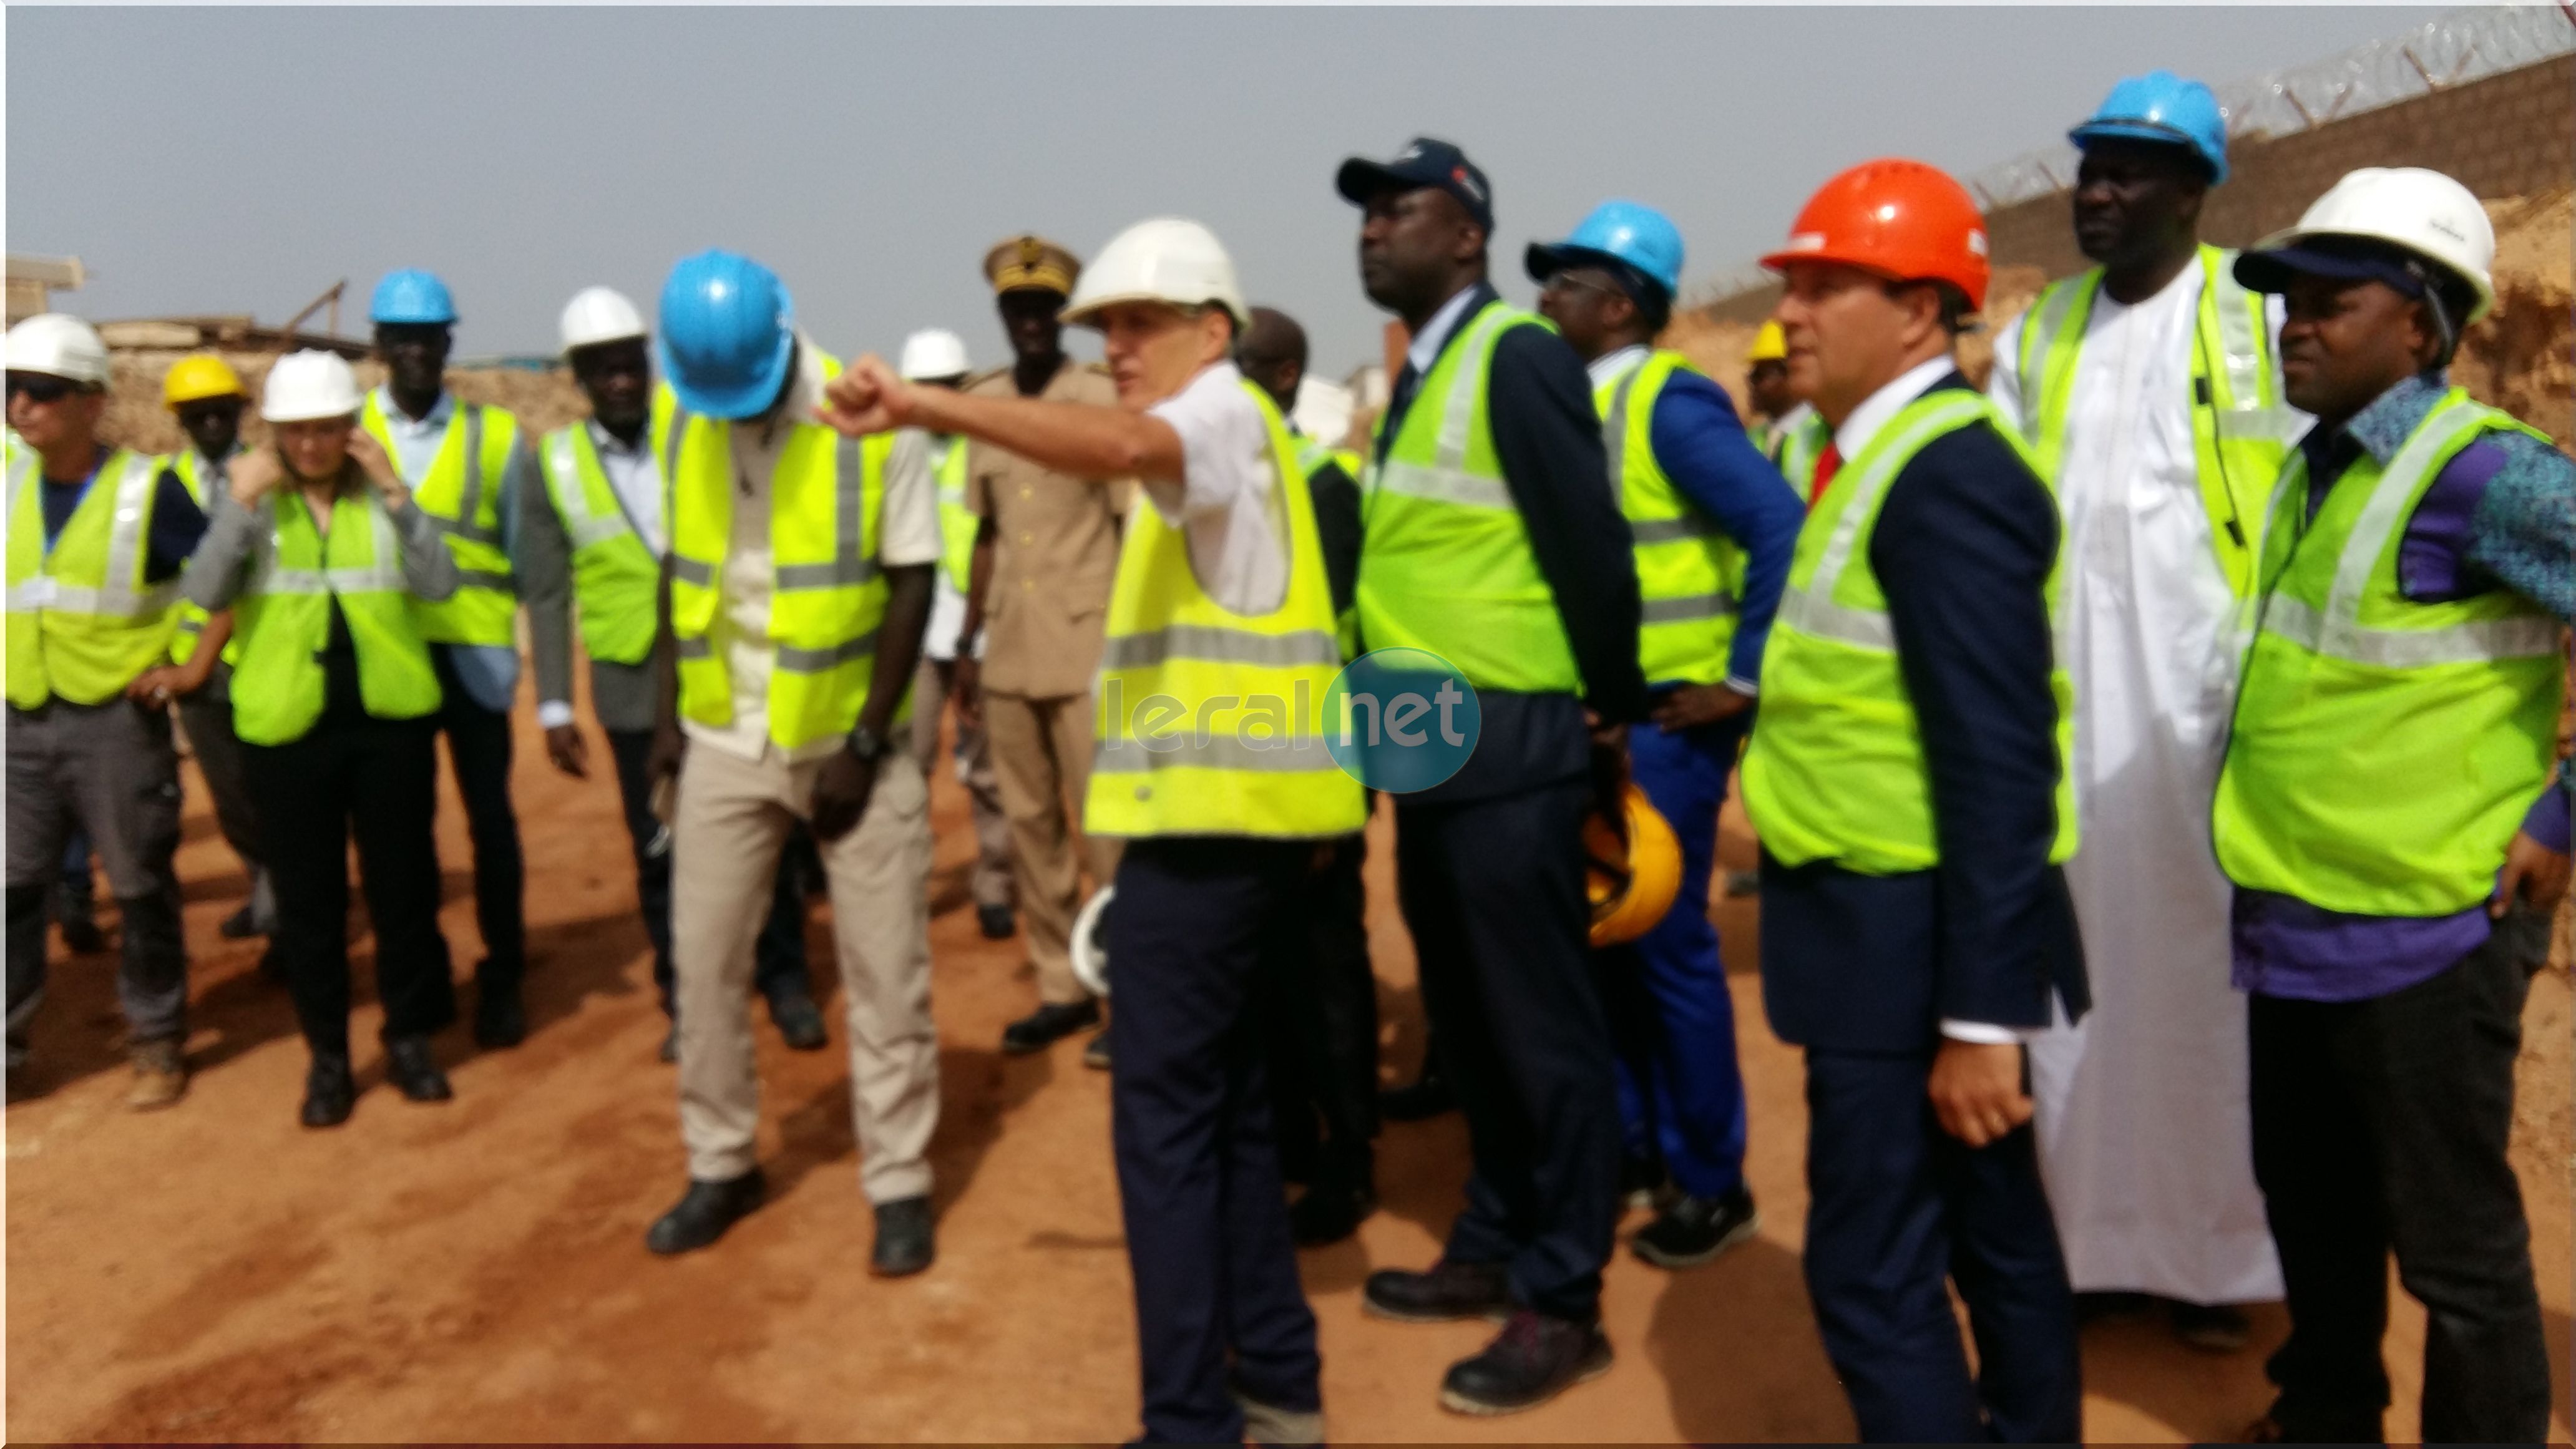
point(1576, 282)
point(42, 387)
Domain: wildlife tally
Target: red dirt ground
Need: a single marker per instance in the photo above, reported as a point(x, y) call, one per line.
point(476, 1270)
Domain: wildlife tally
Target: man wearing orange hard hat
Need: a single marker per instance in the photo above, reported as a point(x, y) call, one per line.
point(1907, 778)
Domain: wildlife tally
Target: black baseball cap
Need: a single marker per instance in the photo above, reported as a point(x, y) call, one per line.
point(2345, 258)
point(1425, 162)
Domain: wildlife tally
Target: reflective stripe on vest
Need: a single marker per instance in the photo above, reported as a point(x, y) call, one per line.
point(2384, 751)
point(957, 523)
point(298, 576)
point(1211, 722)
point(1445, 560)
point(82, 623)
point(1688, 568)
point(615, 575)
point(460, 496)
point(1836, 769)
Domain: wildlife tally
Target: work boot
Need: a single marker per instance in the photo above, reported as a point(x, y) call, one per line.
point(799, 1022)
point(1692, 1230)
point(995, 922)
point(1047, 1025)
point(1328, 1213)
point(500, 1019)
point(329, 1090)
point(241, 925)
point(704, 1212)
point(1531, 1361)
point(1426, 1098)
point(1266, 1423)
point(906, 1241)
point(413, 1072)
point(1449, 1291)
point(160, 1074)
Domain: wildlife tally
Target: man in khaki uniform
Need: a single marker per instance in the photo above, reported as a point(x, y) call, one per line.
point(1038, 593)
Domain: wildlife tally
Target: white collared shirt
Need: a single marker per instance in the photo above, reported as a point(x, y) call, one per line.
point(1227, 501)
point(1881, 407)
point(1427, 343)
point(635, 476)
point(1609, 367)
point(416, 440)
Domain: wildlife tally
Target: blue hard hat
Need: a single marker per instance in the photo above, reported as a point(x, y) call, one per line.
point(725, 335)
point(411, 295)
point(1633, 235)
point(2162, 106)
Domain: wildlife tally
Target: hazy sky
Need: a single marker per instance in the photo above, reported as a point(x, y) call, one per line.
point(212, 161)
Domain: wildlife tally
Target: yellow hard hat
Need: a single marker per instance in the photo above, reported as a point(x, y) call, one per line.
point(1632, 886)
point(1769, 345)
point(198, 376)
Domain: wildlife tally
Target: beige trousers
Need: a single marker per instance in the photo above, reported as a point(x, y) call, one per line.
point(734, 817)
point(1042, 759)
point(992, 880)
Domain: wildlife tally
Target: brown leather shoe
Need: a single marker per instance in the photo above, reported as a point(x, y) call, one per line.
point(160, 1074)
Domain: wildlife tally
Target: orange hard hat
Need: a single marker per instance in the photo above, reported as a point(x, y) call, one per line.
point(1902, 218)
point(1632, 883)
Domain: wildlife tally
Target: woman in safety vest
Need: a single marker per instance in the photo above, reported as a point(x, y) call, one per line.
point(317, 549)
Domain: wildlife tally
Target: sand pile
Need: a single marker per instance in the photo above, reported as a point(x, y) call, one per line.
point(135, 417)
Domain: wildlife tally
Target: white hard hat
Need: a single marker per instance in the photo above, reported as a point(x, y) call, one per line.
point(933, 352)
point(58, 345)
point(307, 385)
point(2425, 212)
point(1090, 943)
point(599, 314)
point(1166, 259)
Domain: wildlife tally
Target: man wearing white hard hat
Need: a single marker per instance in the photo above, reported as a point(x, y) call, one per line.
point(317, 544)
point(593, 537)
point(937, 358)
point(2395, 818)
point(97, 539)
point(1221, 610)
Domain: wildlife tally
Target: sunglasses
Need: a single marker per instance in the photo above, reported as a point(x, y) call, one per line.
point(41, 388)
point(1574, 282)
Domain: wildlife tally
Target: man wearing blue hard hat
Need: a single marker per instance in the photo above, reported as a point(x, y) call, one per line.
point(1714, 524)
point(2148, 391)
point(794, 597)
point(467, 468)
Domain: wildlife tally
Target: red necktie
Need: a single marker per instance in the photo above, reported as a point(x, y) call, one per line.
point(1828, 463)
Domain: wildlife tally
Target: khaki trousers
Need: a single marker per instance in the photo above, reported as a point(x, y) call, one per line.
point(734, 818)
point(974, 754)
point(1042, 760)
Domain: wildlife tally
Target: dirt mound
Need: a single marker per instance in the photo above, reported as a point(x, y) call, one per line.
point(136, 418)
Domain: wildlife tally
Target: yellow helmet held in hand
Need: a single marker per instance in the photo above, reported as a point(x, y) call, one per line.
point(1632, 886)
point(198, 376)
point(1769, 344)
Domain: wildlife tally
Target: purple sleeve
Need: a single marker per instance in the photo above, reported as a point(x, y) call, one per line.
point(2432, 559)
point(2549, 821)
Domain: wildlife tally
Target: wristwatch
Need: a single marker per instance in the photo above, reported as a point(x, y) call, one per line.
point(866, 743)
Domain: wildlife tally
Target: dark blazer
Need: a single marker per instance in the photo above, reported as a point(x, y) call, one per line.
point(1962, 549)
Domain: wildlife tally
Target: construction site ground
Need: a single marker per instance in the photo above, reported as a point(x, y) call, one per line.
point(476, 1269)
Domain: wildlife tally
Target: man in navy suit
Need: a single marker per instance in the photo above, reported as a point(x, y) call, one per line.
point(1907, 779)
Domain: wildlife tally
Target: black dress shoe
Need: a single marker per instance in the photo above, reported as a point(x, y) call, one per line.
point(1448, 1292)
point(329, 1092)
point(241, 925)
point(995, 922)
point(1531, 1361)
point(1425, 1099)
point(799, 1022)
point(500, 1020)
point(906, 1241)
point(1328, 1213)
point(1048, 1025)
point(1692, 1230)
point(704, 1212)
point(83, 938)
point(414, 1073)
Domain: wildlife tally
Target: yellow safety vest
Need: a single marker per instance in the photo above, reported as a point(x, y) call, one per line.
point(283, 620)
point(1211, 722)
point(2384, 751)
point(1836, 769)
point(1689, 571)
point(196, 474)
point(957, 523)
point(827, 596)
point(2239, 427)
point(1445, 561)
point(82, 623)
point(616, 576)
point(461, 496)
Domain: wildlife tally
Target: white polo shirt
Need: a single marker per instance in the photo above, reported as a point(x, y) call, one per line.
point(1228, 501)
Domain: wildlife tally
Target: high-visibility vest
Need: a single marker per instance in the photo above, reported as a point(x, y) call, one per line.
point(1445, 560)
point(197, 475)
point(460, 495)
point(616, 576)
point(2240, 428)
point(957, 523)
point(2384, 750)
point(283, 619)
point(82, 621)
point(1836, 769)
point(1211, 722)
point(827, 596)
point(1689, 570)
point(1797, 449)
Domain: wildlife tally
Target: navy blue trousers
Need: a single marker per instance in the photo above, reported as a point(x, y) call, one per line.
point(1896, 1207)
point(1218, 1301)
point(1681, 1096)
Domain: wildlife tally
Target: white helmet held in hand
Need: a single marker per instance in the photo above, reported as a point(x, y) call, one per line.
point(58, 345)
point(307, 385)
point(599, 314)
point(2425, 212)
point(1166, 259)
point(933, 352)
